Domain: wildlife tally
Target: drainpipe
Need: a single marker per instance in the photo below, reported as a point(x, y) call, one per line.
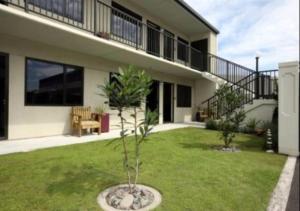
point(257, 78)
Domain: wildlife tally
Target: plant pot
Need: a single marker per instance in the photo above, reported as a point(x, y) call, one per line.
point(259, 131)
point(105, 123)
point(104, 35)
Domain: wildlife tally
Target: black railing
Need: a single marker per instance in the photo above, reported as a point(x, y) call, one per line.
point(257, 85)
point(111, 23)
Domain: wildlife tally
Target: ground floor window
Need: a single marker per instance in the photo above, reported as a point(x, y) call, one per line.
point(49, 83)
point(184, 96)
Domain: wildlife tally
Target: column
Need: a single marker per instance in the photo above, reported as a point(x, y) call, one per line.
point(289, 108)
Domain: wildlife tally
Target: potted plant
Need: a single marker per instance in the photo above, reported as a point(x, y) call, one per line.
point(104, 35)
point(101, 111)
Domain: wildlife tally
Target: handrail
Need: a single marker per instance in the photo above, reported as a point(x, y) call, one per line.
point(257, 85)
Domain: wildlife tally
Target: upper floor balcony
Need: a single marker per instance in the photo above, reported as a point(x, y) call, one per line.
point(118, 23)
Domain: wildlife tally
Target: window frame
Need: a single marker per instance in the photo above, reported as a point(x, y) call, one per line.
point(64, 104)
point(181, 104)
point(64, 15)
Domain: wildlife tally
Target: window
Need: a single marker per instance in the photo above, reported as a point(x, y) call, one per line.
point(49, 83)
point(126, 24)
point(168, 45)
point(183, 50)
point(184, 96)
point(153, 38)
point(72, 9)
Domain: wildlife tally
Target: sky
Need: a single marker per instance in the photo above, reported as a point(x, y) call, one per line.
point(267, 28)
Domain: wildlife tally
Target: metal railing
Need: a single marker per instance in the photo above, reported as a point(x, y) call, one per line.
point(111, 23)
point(257, 85)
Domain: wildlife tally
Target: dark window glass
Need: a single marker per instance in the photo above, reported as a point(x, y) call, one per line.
point(74, 85)
point(126, 24)
point(112, 79)
point(184, 96)
point(72, 9)
point(182, 50)
point(50, 83)
point(153, 39)
point(168, 45)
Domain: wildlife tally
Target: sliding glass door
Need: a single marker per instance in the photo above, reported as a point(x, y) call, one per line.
point(3, 95)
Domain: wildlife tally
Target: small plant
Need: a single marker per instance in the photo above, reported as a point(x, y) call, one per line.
point(227, 128)
point(229, 104)
point(211, 124)
point(100, 110)
point(128, 91)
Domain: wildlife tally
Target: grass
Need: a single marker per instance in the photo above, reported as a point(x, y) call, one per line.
point(182, 164)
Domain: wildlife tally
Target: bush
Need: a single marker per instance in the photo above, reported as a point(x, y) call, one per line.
point(211, 124)
point(251, 125)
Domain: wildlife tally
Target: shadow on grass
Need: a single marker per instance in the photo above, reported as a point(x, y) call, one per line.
point(83, 180)
point(252, 144)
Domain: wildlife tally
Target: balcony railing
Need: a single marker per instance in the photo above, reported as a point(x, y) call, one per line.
point(110, 23)
point(258, 85)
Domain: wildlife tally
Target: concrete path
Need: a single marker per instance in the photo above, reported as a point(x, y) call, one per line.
point(282, 190)
point(293, 202)
point(26, 145)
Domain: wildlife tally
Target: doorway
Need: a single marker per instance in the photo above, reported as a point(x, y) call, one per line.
point(199, 56)
point(3, 96)
point(168, 104)
point(152, 101)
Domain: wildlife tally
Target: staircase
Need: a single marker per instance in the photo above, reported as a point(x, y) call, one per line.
point(251, 84)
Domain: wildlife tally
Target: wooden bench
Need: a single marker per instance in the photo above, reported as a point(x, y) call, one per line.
point(204, 115)
point(83, 118)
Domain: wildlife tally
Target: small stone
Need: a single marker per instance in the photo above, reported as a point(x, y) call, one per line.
point(126, 201)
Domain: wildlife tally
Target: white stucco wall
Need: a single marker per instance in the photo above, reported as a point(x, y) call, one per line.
point(261, 110)
point(204, 89)
point(289, 108)
point(38, 121)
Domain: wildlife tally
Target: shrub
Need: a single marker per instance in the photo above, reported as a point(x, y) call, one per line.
point(211, 124)
point(229, 104)
point(251, 125)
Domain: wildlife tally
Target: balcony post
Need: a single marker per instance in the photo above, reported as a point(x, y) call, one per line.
point(227, 71)
point(95, 17)
point(26, 5)
point(257, 78)
point(137, 36)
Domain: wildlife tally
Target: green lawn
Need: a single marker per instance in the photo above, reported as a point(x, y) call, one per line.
point(182, 164)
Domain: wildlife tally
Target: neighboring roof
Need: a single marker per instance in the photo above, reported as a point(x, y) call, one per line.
point(196, 15)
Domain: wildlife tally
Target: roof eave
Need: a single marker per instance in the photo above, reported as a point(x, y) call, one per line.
point(197, 15)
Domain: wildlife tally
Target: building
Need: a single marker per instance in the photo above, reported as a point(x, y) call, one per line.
point(54, 54)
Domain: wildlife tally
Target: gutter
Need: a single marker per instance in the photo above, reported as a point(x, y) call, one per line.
point(193, 12)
